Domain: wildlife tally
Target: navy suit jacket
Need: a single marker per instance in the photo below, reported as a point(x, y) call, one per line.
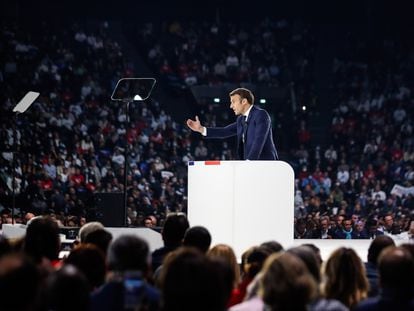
point(259, 143)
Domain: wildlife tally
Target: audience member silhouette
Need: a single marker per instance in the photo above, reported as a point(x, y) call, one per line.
point(286, 283)
point(371, 266)
point(198, 237)
point(345, 277)
point(19, 283)
point(191, 281)
point(66, 289)
point(42, 240)
point(226, 253)
point(101, 238)
point(89, 228)
point(128, 267)
point(396, 274)
point(272, 246)
point(252, 262)
point(90, 260)
point(311, 260)
point(173, 233)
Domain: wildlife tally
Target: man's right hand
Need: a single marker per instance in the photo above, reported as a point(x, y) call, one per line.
point(195, 125)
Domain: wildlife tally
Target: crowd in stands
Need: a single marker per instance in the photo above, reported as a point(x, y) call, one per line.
point(188, 273)
point(266, 52)
point(71, 142)
point(361, 185)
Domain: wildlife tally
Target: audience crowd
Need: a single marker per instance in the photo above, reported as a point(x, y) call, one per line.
point(188, 273)
point(72, 142)
point(361, 185)
point(265, 52)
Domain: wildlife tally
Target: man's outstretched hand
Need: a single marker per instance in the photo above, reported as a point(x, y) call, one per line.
point(195, 125)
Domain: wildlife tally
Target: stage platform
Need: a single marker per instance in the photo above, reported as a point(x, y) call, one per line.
point(155, 241)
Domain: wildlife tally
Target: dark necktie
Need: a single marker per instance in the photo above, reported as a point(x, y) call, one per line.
point(241, 143)
point(244, 123)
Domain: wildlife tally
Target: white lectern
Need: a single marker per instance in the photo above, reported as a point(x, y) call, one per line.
point(242, 203)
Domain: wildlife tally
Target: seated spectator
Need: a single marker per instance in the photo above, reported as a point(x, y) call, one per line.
point(42, 242)
point(88, 228)
point(90, 260)
point(408, 236)
point(19, 283)
point(128, 265)
point(150, 221)
point(345, 278)
point(100, 238)
point(324, 231)
point(66, 289)
point(389, 226)
point(191, 281)
point(371, 266)
point(252, 263)
point(5, 246)
point(373, 230)
point(396, 272)
point(252, 299)
point(226, 253)
point(286, 283)
point(301, 231)
point(172, 233)
point(347, 231)
point(272, 246)
point(198, 237)
point(313, 263)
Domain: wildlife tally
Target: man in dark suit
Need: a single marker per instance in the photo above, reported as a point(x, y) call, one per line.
point(252, 127)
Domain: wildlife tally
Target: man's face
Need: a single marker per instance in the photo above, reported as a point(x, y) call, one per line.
point(148, 223)
point(348, 225)
point(388, 221)
point(238, 104)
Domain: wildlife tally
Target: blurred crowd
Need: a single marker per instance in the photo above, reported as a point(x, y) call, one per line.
point(72, 142)
point(100, 272)
point(271, 52)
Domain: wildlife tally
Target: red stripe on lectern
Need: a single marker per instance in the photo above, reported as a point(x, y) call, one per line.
point(212, 162)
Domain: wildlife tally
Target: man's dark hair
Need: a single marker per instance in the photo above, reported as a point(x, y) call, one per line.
point(191, 281)
point(396, 270)
point(243, 93)
point(272, 246)
point(174, 229)
point(128, 253)
point(19, 282)
point(101, 238)
point(90, 260)
point(67, 281)
point(255, 259)
point(308, 256)
point(198, 237)
point(316, 250)
point(5, 247)
point(377, 245)
point(42, 239)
